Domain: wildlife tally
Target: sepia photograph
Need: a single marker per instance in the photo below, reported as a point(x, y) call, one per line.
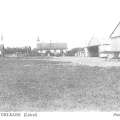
point(59, 57)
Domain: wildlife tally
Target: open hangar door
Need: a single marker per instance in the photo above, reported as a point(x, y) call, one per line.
point(93, 51)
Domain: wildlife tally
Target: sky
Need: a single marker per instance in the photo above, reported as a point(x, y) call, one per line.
point(74, 22)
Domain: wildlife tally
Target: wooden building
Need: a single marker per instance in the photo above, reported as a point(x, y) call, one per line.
point(115, 38)
point(95, 47)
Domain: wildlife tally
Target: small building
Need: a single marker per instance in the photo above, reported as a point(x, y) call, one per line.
point(94, 48)
point(115, 38)
point(80, 53)
point(55, 48)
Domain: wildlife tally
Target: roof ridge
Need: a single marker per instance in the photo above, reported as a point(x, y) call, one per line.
point(92, 39)
point(114, 30)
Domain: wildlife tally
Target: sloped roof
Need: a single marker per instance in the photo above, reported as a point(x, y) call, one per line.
point(93, 42)
point(116, 31)
point(51, 46)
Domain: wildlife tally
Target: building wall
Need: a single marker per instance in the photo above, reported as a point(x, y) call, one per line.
point(115, 44)
point(104, 48)
point(86, 52)
point(41, 51)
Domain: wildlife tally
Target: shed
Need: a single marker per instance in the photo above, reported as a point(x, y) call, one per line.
point(115, 38)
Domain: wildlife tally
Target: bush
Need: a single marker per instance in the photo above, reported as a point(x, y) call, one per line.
point(73, 51)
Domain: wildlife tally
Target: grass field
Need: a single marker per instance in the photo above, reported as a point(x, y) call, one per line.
point(43, 85)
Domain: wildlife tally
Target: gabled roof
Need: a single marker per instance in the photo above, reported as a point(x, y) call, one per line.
point(93, 42)
point(52, 46)
point(116, 31)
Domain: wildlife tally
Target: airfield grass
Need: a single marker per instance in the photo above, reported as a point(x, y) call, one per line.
point(42, 85)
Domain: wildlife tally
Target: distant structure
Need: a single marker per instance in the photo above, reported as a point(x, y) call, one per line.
point(38, 40)
point(115, 38)
point(54, 48)
point(1, 47)
point(80, 53)
point(94, 48)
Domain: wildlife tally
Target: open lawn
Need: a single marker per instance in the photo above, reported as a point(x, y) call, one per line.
point(38, 84)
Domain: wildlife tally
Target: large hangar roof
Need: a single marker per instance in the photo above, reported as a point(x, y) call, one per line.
point(93, 42)
point(52, 46)
point(96, 42)
point(116, 31)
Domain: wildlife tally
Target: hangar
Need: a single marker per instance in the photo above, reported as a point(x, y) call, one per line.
point(95, 47)
point(92, 50)
point(115, 38)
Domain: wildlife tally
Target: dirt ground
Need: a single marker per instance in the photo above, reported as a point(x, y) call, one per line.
point(91, 61)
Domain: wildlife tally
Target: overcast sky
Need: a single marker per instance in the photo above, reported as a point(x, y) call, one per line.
point(71, 21)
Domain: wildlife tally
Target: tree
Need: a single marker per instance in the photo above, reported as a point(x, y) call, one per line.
point(23, 50)
point(73, 51)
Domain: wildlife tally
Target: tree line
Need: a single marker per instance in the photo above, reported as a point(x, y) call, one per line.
point(33, 52)
point(73, 51)
point(14, 50)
